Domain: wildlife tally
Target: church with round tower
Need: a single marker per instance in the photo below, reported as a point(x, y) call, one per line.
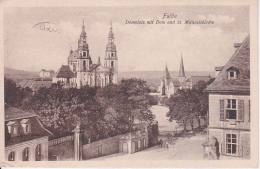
point(80, 70)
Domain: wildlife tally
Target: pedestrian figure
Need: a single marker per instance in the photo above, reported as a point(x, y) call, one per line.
point(214, 147)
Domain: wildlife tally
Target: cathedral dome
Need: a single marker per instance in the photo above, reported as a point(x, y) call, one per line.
point(111, 47)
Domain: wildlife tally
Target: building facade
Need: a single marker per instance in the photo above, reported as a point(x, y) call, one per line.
point(81, 71)
point(25, 137)
point(170, 85)
point(229, 105)
point(46, 73)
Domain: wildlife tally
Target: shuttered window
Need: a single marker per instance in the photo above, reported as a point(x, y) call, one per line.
point(240, 110)
point(222, 109)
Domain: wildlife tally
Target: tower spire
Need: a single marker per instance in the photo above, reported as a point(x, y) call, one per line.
point(181, 72)
point(166, 74)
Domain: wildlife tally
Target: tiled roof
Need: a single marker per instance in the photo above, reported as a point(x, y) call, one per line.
point(195, 79)
point(12, 113)
point(17, 117)
point(65, 72)
point(43, 83)
point(240, 61)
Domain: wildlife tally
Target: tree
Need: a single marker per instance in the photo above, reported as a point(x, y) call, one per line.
point(187, 106)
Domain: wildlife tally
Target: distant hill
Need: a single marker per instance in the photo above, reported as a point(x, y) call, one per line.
point(151, 77)
point(18, 75)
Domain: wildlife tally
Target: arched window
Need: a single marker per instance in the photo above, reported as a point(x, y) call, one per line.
point(38, 153)
point(11, 156)
point(112, 63)
point(26, 154)
point(84, 53)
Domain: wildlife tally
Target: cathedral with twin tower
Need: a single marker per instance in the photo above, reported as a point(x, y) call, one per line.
point(81, 71)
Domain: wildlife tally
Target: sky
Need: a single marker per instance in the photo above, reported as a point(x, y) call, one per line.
point(140, 47)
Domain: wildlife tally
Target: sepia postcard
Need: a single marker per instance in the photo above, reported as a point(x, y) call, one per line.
point(129, 84)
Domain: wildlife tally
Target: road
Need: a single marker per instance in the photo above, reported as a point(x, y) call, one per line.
point(182, 148)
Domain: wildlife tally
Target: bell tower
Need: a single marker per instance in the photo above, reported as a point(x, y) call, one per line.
point(111, 60)
point(83, 59)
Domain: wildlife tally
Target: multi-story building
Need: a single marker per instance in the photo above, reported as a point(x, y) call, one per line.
point(81, 71)
point(46, 73)
point(229, 105)
point(25, 137)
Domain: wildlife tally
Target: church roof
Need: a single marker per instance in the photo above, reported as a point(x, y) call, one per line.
point(98, 68)
point(111, 47)
point(166, 74)
point(65, 72)
point(111, 34)
point(181, 72)
point(241, 62)
point(83, 32)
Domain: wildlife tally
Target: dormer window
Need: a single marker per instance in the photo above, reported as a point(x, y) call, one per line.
point(26, 126)
point(13, 128)
point(232, 73)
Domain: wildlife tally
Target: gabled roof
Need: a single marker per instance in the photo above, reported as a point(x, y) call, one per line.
point(12, 113)
point(195, 79)
point(17, 117)
point(65, 72)
point(241, 61)
point(42, 83)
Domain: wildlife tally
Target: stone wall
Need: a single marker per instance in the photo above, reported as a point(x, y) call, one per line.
point(101, 148)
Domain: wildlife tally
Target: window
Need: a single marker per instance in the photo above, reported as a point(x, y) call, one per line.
point(231, 110)
point(231, 144)
point(144, 142)
point(38, 153)
point(11, 156)
point(26, 154)
point(84, 53)
point(112, 54)
point(232, 73)
point(112, 63)
point(26, 126)
point(139, 144)
point(13, 128)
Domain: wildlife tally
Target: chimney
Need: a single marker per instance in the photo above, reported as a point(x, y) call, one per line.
point(217, 70)
point(237, 45)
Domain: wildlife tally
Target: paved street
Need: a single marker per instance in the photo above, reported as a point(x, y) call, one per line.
point(182, 148)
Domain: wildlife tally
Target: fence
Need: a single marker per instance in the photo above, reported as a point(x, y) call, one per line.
point(60, 140)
